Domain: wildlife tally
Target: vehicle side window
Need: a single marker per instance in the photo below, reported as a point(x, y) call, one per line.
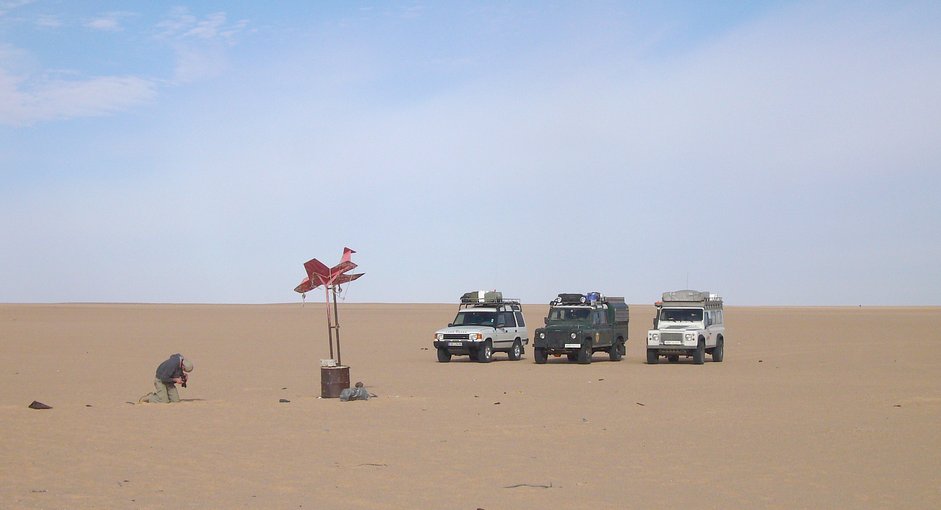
point(508, 320)
point(714, 318)
point(519, 319)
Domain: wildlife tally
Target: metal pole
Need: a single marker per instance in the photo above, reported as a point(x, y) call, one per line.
point(336, 322)
point(329, 326)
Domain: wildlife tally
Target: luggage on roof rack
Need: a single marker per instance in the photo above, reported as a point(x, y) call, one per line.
point(685, 295)
point(567, 298)
point(691, 296)
point(482, 296)
point(594, 297)
point(570, 299)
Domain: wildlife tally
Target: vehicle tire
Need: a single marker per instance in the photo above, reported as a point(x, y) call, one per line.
point(615, 352)
point(485, 352)
point(719, 352)
point(516, 352)
point(699, 355)
point(673, 358)
point(653, 357)
point(444, 355)
point(540, 355)
point(584, 354)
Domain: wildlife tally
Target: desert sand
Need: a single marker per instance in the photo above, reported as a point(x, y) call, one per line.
point(812, 408)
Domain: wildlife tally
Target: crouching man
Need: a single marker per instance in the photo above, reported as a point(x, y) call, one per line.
point(169, 373)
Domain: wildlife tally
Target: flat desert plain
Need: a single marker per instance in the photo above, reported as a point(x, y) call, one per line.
point(812, 408)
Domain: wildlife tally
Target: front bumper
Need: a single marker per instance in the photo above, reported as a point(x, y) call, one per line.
point(458, 346)
point(672, 349)
point(467, 346)
point(672, 340)
point(558, 344)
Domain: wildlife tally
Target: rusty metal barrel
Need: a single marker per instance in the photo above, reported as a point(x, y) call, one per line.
point(333, 380)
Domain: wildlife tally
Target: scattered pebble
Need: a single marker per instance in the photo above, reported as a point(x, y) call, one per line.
point(39, 405)
point(284, 400)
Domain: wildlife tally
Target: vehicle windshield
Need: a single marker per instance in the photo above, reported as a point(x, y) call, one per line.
point(568, 314)
point(472, 318)
point(681, 315)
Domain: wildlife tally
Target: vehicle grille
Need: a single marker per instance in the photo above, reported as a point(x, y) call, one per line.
point(560, 337)
point(672, 337)
point(455, 336)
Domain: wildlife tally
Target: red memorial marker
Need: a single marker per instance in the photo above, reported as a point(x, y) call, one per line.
point(333, 379)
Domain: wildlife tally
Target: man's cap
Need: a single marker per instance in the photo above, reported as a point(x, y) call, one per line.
point(187, 365)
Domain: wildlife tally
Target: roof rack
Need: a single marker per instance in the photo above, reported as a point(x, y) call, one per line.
point(690, 296)
point(485, 298)
point(566, 298)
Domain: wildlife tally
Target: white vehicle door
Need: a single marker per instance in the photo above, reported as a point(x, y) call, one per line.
point(718, 326)
point(506, 330)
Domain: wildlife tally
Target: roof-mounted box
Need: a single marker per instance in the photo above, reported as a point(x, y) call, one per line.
point(482, 296)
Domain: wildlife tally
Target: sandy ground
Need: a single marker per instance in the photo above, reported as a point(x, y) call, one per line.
point(812, 408)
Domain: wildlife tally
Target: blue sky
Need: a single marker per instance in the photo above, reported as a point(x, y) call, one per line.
point(778, 153)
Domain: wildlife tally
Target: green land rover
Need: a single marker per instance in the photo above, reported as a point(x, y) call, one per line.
point(579, 325)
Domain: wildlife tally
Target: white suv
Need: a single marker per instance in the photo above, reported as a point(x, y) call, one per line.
point(688, 323)
point(485, 323)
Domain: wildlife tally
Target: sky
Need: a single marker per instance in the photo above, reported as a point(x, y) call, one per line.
point(773, 152)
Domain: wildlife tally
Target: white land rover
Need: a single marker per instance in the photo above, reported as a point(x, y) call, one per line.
point(688, 323)
point(485, 323)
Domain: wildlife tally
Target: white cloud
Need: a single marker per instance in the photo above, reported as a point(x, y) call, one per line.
point(30, 94)
point(181, 25)
point(200, 44)
point(108, 22)
point(9, 5)
point(25, 102)
point(211, 28)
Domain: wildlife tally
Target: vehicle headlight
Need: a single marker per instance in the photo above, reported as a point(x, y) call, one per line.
point(573, 335)
point(542, 335)
point(654, 336)
point(439, 336)
point(690, 337)
point(474, 336)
